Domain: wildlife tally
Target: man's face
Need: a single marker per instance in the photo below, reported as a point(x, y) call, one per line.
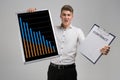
point(66, 18)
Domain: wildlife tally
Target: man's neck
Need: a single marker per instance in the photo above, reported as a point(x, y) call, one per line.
point(65, 26)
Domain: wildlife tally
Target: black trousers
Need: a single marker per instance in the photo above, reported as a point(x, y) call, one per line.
point(56, 72)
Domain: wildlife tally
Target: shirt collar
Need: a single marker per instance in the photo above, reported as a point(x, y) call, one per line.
point(69, 27)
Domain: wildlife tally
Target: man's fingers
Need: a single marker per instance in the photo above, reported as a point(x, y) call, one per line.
point(107, 47)
point(105, 50)
point(31, 10)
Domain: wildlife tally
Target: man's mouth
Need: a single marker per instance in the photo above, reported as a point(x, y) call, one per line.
point(66, 20)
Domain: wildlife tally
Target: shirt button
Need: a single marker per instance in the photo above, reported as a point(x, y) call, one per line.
point(61, 47)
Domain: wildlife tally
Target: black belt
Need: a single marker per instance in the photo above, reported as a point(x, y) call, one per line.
point(62, 66)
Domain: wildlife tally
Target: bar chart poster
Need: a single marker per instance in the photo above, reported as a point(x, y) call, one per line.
point(37, 34)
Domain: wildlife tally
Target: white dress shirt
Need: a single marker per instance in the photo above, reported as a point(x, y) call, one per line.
point(67, 41)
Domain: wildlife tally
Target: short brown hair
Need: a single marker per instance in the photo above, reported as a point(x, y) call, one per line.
point(67, 7)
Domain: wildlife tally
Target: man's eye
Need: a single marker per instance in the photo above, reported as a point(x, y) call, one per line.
point(68, 14)
point(64, 14)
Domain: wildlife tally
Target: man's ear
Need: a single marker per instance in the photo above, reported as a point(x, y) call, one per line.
point(60, 15)
point(72, 15)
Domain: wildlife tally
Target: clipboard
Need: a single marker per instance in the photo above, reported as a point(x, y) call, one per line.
point(94, 41)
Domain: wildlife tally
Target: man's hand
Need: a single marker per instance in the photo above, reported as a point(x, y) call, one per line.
point(105, 50)
point(31, 9)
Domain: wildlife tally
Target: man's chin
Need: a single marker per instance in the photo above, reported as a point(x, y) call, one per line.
point(66, 24)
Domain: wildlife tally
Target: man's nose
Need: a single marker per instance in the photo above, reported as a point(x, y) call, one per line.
point(66, 16)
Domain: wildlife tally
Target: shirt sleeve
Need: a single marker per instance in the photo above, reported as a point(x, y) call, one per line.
point(81, 36)
point(80, 39)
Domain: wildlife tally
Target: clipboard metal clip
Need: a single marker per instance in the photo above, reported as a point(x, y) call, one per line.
point(103, 31)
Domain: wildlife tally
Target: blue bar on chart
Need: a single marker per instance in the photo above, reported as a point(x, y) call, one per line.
point(37, 35)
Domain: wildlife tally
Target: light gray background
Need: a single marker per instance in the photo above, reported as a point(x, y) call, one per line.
point(105, 13)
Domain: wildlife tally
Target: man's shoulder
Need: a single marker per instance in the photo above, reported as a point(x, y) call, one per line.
point(57, 26)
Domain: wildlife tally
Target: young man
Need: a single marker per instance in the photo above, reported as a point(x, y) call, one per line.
point(68, 38)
